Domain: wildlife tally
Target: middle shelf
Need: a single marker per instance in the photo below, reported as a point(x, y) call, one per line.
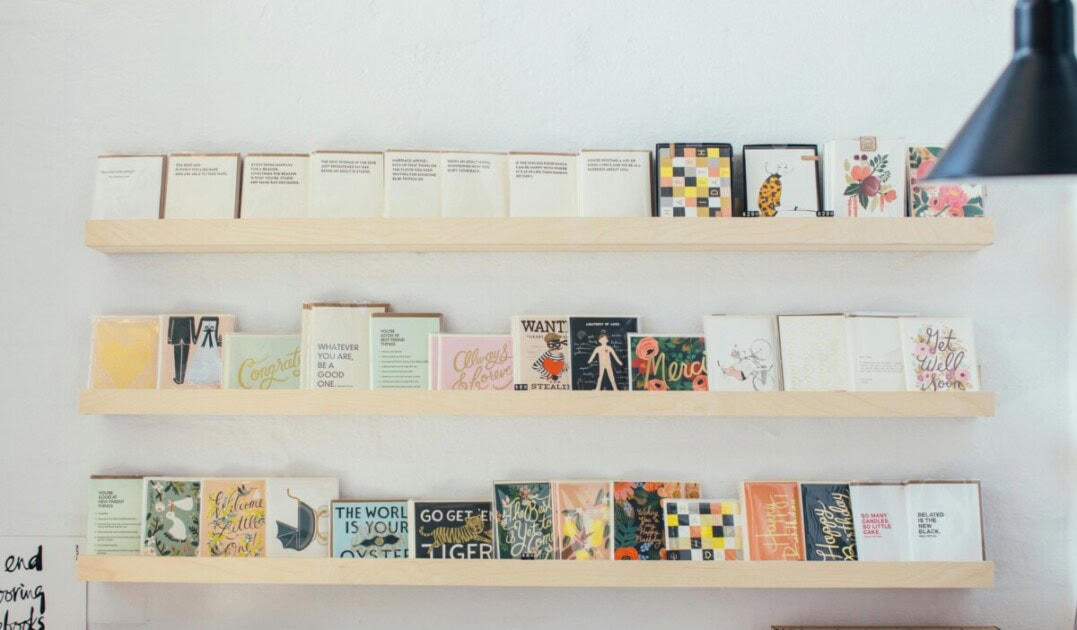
point(214, 402)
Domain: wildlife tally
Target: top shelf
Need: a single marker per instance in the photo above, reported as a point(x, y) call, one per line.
point(647, 234)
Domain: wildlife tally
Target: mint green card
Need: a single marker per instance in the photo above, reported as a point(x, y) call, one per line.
point(114, 516)
point(400, 349)
point(253, 361)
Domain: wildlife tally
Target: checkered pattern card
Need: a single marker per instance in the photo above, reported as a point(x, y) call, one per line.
point(703, 529)
point(694, 179)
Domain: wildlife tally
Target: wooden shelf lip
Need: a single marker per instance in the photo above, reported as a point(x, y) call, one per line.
point(536, 235)
point(151, 402)
point(537, 573)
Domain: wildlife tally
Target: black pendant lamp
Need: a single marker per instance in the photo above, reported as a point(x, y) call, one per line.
point(1027, 124)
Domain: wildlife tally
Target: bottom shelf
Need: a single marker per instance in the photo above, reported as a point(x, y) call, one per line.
point(538, 573)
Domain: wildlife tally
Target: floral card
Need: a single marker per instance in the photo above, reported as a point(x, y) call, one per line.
point(939, 355)
point(742, 353)
point(638, 532)
point(170, 509)
point(582, 519)
point(866, 178)
point(234, 518)
point(926, 200)
point(667, 363)
point(523, 520)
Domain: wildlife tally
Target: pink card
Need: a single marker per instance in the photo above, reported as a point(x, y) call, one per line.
point(474, 362)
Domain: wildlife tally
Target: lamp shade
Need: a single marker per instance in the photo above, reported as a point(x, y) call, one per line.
point(1027, 124)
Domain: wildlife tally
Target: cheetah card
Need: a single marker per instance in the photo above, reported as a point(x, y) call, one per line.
point(452, 530)
point(782, 181)
point(541, 358)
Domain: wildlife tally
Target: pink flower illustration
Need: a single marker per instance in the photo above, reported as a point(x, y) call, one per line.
point(925, 168)
point(935, 204)
point(921, 349)
point(955, 211)
point(962, 375)
point(953, 196)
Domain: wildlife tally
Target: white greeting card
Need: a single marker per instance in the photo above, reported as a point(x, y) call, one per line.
point(297, 516)
point(939, 354)
point(336, 345)
point(202, 186)
point(347, 184)
point(880, 521)
point(412, 184)
point(875, 353)
point(814, 352)
point(782, 181)
point(742, 353)
point(543, 185)
point(129, 187)
point(275, 186)
point(615, 183)
point(474, 185)
point(945, 523)
point(865, 178)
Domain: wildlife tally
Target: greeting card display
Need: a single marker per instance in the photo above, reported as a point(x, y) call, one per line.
point(703, 529)
point(170, 516)
point(693, 179)
point(523, 520)
point(782, 181)
point(935, 201)
point(124, 353)
point(452, 530)
point(667, 363)
point(583, 513)
point(829, 533)
point(190, 350)
point(742, 353)
point(773, 519)
point(865, 178)
point(638, 523)
point(815, 356)
point(939, 355)
point(297, 516)
point(880, 522)
point(255, 361)
point(599, 349)
point(233, 518)
point(472, 362)
point(540, 352)
point(369, 529)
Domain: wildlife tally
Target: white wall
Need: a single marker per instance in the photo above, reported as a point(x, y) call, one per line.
point(86, 78)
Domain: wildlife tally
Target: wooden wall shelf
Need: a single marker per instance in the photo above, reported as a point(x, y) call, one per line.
point(151, 402)
point(536, 235)
point(537, 573)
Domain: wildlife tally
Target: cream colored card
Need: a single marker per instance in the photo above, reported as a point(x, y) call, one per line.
point(474, 185)
point(875, 354)
point(742, 353)
point(939, 354)
point(815, 356)
point(129, 187)
point(615, 183)
point(202, 186)
point(412, 184)
point(347, 184)
point(543, 185)
point(865, 178)
point(338, 338)
point(297, 516)
point(275, 186)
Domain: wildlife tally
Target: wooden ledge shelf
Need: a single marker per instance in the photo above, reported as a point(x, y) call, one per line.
point(152, 402)
point(537, 573)
point(155, 236)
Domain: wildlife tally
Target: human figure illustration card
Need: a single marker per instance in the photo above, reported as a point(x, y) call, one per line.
point(170, 521)
point(369, 529)
point(932, 201)
point(452, 530)
point(541, 355)
point(297, 516)
point(939, 354)
point(667, 363)
point(583, 514)
point(523, 520)
point(703, 529)
point(782, 181)
point(638, 523)
point(190, 350)
point(742, 353)
point(599, 349)
point(233, 518)
point(124, 354)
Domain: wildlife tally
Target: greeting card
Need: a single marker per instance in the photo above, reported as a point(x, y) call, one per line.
point(583, 513)
point(875, 353)
point(170, 511)
point(599, 349)
point(667, 363)
point(945, 521)
point(615, 183)
point(866, 178)
point(540, 352)
point(347, 184)
point(694, 179)
point(190, 350)
point(523, 520)
point(829, 532)
point(742, 353)
point(233, 518)
point(474, 362)
point(773, 518)
point(703, 529)
point(114, 516)
point(400, 349)
point(880, 523)
point(782, 181)
point(638, 523)
point(935, 201)
point(124, 353)
point(369, 529)
point(255, 361)
point(452, 530)
point(129, 187)
point(815, 356)
point(939, 354)
point(297, 515)
point(275, 186)
point(412, 184)
point(474, 185)
point(543, 185)
point(202, 186)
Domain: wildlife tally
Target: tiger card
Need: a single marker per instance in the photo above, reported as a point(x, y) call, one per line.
point(452, 530)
